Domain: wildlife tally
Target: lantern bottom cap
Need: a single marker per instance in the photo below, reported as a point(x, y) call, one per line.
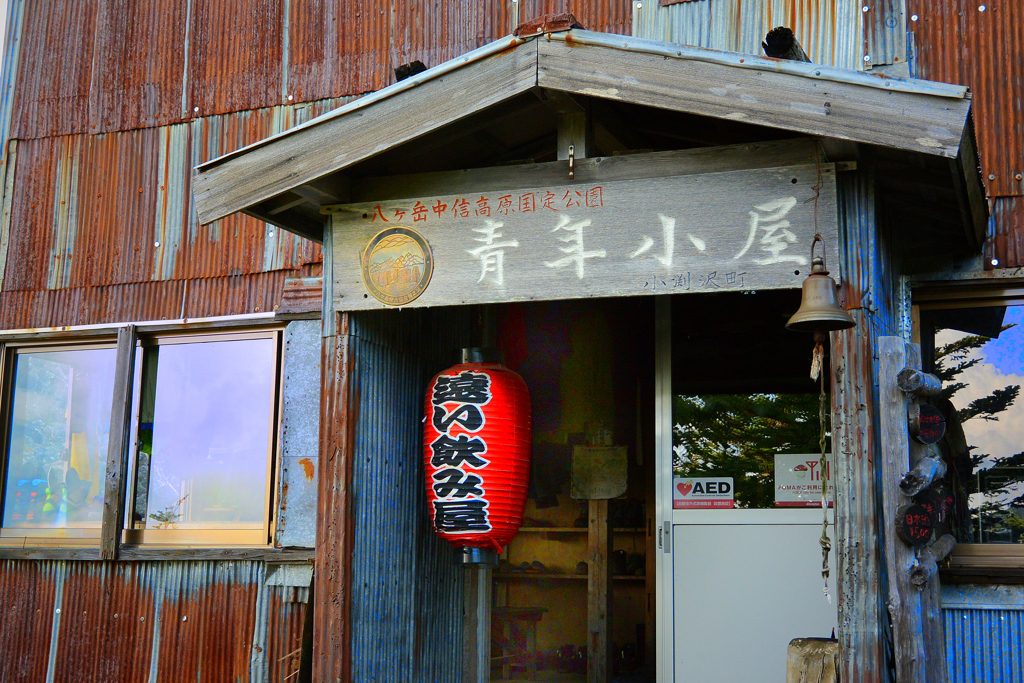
point(470, 555)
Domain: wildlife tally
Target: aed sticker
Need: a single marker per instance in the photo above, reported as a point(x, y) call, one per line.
point(702, 492)
point(798, 480)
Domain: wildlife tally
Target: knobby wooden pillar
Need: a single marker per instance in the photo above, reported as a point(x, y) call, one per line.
point(332, 634)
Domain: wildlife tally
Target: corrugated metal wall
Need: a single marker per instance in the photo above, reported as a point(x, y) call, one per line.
point(984, 633)
point(981, 45)
point(160, 621)
point(406, 588)
point(830, 32)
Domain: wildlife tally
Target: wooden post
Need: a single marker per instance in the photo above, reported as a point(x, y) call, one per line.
point(119, 444)
point(476, 628)
point(904, 599)
point(599, 594)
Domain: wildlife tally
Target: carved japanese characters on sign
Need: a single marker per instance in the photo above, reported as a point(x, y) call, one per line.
point(738, 230)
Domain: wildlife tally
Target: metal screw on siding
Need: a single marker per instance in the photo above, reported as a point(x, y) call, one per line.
point(184, 618)
point(142, 618)
point(981, 8)
point(995, 262)
point(1018, 176)
point(115, 616)
point(195, 110)
point(156, 244)
point(271, 233)
point(867, 58)
point(913, 17)
point(991, 176)
point(290, 97)
point(58, 610)
point(865, 8)
point(639, 5)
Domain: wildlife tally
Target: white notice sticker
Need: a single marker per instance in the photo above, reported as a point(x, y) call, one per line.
point(798, 480)
point(702, 492)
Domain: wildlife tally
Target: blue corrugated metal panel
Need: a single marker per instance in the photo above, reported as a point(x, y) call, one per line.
point(984, 633)
point(830, 32)
point(406, 589)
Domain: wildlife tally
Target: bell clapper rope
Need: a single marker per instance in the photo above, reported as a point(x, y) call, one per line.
point(826, 543)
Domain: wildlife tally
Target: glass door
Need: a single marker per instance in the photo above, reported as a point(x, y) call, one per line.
point(739, 490)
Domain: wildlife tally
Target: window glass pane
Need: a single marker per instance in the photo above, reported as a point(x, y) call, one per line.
point(979, 355)
point(745, 444)
point(57, 453)
point(205, 427)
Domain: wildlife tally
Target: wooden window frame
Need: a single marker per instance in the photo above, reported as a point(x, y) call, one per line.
point(112, 539)
point(976, 562)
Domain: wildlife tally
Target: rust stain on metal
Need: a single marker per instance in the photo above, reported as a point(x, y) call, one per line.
point(307, 468)
point(332, 631)
point(959, 42)
point(27, 594)
point(549, 23)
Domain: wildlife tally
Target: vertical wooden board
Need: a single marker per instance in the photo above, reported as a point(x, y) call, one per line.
point(736, 230)
point(599, 594)
point(119, 444)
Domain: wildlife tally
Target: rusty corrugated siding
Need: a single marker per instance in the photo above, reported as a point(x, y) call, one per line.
point(163, 621)
point(957, 42)
point(116, 208)
point(608, 16)
point(27, 594)
point(203, 297)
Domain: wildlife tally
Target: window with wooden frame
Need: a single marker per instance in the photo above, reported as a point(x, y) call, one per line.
point(972, 338)
point(199, 446)
point(56, 417)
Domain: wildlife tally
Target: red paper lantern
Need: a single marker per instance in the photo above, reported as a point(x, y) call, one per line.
point(476, 451)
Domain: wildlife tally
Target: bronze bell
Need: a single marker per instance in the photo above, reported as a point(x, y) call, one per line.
point(818, 310)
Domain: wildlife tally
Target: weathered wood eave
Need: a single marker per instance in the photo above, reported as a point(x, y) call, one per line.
point(287, 179)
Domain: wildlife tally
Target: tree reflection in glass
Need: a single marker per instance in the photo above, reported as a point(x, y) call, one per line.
point(739, 435)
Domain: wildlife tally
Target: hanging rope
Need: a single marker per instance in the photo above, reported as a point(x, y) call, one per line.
point(826, 543)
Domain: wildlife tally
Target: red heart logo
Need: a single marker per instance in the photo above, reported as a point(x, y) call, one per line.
point(685, 488)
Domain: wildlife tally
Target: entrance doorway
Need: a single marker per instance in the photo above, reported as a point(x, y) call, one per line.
point(738, 489)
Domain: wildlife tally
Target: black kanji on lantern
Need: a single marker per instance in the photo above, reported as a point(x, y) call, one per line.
point(453, 483)
point(466, 387)
point(468, 415)
point(455, 516)
point(449, 452)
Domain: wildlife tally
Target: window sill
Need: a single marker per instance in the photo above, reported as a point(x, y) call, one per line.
point(137, 554)
point(984, 563)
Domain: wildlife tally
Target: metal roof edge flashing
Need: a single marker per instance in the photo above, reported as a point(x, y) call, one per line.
point(476, 55)
point(748, 61)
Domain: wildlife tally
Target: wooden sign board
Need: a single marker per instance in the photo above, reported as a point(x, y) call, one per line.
point(737, 230)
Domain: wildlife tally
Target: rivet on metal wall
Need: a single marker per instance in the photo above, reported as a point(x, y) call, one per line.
point(991, 176)
point(156, 244)
point(995, 262)
point(981, 8)
point(867, 58)
point(1018, 176)
point(913, 17)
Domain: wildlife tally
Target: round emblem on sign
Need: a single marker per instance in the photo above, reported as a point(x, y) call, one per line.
point(397, 265)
